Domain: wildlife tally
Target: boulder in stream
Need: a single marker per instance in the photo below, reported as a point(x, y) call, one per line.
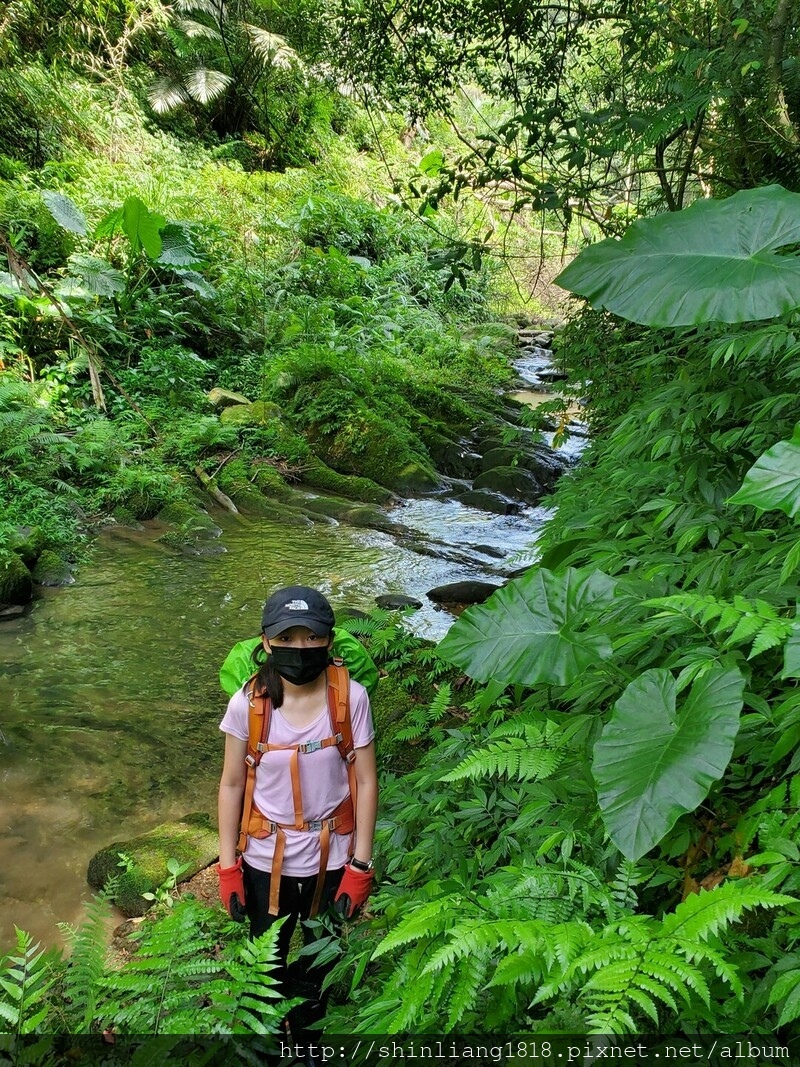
point(51, 569)
point(511, 481)
point(462, 593)
point(486, 501)
point(15, 579)
point(192, 840)
point(396, 601)
point(543, 462)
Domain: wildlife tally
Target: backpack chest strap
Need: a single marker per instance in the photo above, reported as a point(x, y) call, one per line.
point(307, 746)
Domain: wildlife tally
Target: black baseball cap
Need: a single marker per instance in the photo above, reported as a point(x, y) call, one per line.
point(297, 605)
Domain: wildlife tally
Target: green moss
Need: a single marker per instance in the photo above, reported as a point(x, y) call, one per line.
point(27, 542)
point(51, 569)
point(15, 579)
point(192, 840)
point(320, 475)
point(269, 481)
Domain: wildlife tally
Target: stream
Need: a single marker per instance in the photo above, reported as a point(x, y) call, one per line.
point(108, 689)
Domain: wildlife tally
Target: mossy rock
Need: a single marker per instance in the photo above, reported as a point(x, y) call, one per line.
point(264, 412)
point(192, 840)
point(15, 579)
point(540, 460)
point(52, 570)
point(237, 415)
point(511, 481)
point(252, 501)
point(225, 398)
point(321, 476)
point(125, 517)
point(270, 482)
point(190, 525)
point(27, 541)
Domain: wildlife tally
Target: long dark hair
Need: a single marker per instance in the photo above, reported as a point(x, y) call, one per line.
point(268, 682)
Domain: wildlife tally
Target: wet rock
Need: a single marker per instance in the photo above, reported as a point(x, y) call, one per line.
point(489, 550)
point(512, 481)
point(15, 580)
point(543, 462)
point(486, 501)
point(351, 613)
point(453, 458)
point(13, 612)
point(549, 375)
point(225, 398)
point(462, 593)
point(396, 601)
point(52, 570)
point(192, 839)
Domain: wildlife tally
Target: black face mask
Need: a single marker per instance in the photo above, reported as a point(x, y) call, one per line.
point(300, 665)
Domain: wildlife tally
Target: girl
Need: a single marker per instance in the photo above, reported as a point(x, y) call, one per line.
point(310, 808)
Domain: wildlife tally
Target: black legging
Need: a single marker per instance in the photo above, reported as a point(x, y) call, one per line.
point(300, 978)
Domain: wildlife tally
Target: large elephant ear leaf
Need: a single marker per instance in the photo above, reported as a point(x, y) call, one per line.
point(66, 212)
point(654, 763)
point(717, 261)
point(774, 479)
point(142, 226)
point(533, 630)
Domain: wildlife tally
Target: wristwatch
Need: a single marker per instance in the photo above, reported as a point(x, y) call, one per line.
point(360, 865)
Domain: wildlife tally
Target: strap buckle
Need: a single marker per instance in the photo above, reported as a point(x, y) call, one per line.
point(315, 825)
point(351, 755)
point(311, 746)
point(250, 760)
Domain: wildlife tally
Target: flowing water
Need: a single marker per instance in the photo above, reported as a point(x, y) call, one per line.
point(108, 691)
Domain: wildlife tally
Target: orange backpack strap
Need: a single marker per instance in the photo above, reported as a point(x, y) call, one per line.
point(259, 716)
point(339, 705)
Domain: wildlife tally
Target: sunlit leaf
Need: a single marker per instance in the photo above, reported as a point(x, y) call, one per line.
point(142, 226)
point(65, 212)
point(165, 94)
point(654, 763)
point(717, 261)
point(431, 163)
point(204, 85)
point(96, 275)
point(197, 283)
point(177, 246)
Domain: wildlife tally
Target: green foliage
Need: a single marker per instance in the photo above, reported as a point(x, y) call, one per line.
point(652, 764)
point(179, 979)
point(27, 975)
point(533, 630)
point(728, 261)
point(177, 983)
point(773, 481)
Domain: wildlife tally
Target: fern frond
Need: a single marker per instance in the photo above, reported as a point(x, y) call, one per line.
point(468, 984)
point(25, 982)
point(81, 983)
point(426, 921)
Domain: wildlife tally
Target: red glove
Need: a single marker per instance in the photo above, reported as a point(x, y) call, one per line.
point(353, 891)
point(231, 890)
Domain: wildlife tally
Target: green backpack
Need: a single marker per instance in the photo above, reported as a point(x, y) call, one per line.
point(239, 664)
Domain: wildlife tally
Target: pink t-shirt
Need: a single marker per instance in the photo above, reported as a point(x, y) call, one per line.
point(323, 782)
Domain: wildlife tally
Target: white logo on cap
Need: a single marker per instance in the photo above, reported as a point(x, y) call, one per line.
point(296, 605)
